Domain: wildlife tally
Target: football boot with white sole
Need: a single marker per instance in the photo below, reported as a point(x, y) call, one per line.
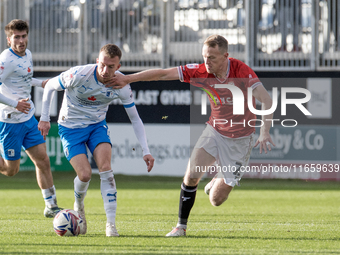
point(81, 212)
point(51, 212)
point(111, 230)
point(177, 232)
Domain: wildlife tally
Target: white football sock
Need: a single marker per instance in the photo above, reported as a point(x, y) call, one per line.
point(109, 194)
point(80, 189)
point(50, 197)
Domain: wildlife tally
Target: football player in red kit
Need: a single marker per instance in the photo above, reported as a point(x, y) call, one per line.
point(227, 140)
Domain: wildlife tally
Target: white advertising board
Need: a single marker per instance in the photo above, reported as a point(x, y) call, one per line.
point(169, 144)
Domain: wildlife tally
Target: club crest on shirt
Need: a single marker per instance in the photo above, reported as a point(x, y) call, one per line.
point(28, 70)
point(2, 69)
point(111, 94)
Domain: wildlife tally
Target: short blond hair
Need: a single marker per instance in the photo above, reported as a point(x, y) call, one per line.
point(111, 50)
point(218, 40)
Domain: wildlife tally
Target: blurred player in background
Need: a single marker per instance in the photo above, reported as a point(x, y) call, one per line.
point(224, 145)
point(18, 126)
point(82, 123)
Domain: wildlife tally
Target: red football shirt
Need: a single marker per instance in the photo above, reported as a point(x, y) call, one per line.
point(239, 75)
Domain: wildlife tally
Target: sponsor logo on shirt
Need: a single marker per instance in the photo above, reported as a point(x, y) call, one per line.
point(28, 69)
point(68, 77)
point(192, 66)
point(2, 69)
point(92, 98)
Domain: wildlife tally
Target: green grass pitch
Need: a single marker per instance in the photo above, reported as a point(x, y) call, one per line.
point(260, 217)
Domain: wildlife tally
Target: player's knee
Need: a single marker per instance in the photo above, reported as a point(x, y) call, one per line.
point(84, 177)
point(217, 201)
point(43, 162)
point(105, 167)
point(10, 171)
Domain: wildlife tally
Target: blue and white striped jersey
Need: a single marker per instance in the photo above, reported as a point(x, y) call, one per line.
point(86, 100)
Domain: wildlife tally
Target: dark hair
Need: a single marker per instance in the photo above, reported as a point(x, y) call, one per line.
point(111, 50)
point(16, 24)
point(218, 40)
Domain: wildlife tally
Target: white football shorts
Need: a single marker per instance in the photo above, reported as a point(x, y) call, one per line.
point(231, 154)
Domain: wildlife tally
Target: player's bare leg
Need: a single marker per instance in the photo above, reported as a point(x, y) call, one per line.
point(41, 161)
point(219, 192)
point(198, 161)
point(102, 156)
point(9, 167)
point(44, 176)
point(82, 167)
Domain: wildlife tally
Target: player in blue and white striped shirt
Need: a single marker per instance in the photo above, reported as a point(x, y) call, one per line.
point(18, 126)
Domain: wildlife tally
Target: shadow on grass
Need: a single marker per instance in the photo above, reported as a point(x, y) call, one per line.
point(64, 180)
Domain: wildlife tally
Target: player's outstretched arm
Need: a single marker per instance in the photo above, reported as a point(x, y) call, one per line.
point(50, 87)
point(39, 83)
point(139, 130)
point(265, 141)
point(120, 80)
point(43, 84)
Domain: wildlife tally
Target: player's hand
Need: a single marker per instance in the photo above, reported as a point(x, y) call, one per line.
point(149, 160)
point(23, 106)
point(44, 127)
point(44, 83)
point(117, 82)
point(265, 142)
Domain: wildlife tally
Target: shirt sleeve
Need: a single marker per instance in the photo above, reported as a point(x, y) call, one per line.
point(5, 70)
point(138, 128)
point(36, 82)
point(67, 78)
point(51, 86)
point(249, 76)
point(126, 96)
point(187, 72)
point(8, 101)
